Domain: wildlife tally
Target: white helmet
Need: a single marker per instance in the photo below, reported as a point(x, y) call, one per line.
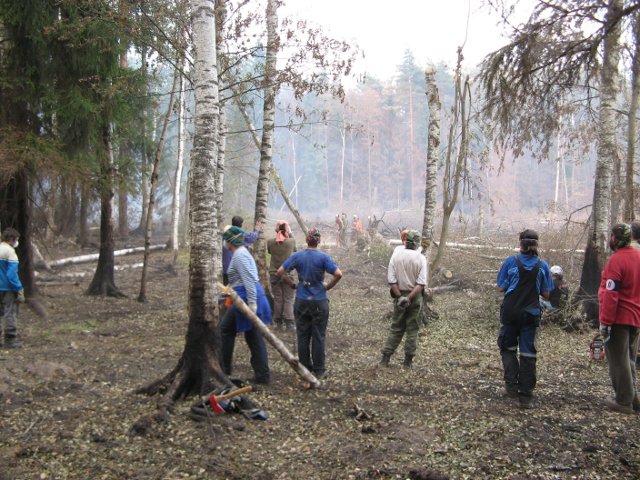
point(557, 270)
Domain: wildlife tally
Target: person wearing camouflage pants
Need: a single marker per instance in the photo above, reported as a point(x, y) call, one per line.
point(407, 277)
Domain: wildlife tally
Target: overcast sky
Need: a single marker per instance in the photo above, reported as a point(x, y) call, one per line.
point(432, 29)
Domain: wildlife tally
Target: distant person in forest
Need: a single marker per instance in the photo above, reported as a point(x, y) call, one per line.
point(619, 300)
point(635, 235)
point(356, 228)
point(249, 238)
point(11, 291)
point(311, 308)
point(280, 248)
point(523, 278)
point(407, 276)
point(560, 291)
point(243, 278)
point(340, 231)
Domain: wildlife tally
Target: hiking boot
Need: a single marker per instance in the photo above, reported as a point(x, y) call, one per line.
point(408, 361)
point(508, 393)
point(525, 402)
point(11, 342)
point(384, 362)
point(618, 407)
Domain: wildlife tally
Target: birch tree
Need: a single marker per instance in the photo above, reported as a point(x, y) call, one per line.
point(555, 54)
point(433, 150)
point(199, 367)
point(266, 146)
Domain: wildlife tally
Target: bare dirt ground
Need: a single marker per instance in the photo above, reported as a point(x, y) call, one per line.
point(67, 405)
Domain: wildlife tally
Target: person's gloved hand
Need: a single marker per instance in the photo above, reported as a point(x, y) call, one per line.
point(403, 302)
point(324, 285)
point(605, 330)
point(253, 307)
point(20, 297)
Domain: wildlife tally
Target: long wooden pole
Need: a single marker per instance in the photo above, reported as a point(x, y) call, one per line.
point(300, 369)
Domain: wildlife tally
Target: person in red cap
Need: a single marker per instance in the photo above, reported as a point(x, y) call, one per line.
point(280, 248)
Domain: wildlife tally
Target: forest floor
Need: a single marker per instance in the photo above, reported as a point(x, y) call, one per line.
point(67, 405)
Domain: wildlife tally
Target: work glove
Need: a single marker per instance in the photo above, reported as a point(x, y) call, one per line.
point(324, 285)
point(403, 302)
point(605, 330)
point(20, 297)
point(253, 307)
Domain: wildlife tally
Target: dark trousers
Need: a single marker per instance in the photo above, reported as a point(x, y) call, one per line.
point(519, 373)
point(255, 342)
point(312, 317)
point(621, 349)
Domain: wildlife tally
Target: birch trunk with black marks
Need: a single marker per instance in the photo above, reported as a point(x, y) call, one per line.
point(199, 369)
point(632, 134)
point(266, 146)
point(155, 172)
point(433, 149)
point(221, 13)
point(275, 176)
point(174, 242)
point(596, 250)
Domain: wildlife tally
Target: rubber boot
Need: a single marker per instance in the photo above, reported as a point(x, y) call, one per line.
point(384, 362)
point(12, 342)
point(408, 361)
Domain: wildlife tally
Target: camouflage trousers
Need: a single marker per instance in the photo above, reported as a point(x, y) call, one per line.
point(405, 323)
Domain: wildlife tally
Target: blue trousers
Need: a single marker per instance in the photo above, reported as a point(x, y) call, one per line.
point(312, 318)
point(255, 342)
point(519, 373)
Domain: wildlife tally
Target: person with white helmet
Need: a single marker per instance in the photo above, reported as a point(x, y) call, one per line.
point(560, 290)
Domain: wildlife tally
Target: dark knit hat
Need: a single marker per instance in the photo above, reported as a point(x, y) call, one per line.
point(529, 234)
point(622, 234)
point(234, 235)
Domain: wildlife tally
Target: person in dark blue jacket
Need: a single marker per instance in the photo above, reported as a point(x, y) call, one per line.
point(11, 291)
point(523, 278)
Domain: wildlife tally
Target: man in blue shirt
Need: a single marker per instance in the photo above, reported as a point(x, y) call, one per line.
point(311, 307)
point(522, 278)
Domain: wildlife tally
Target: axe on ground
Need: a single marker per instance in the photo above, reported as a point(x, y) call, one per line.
point(214, 400)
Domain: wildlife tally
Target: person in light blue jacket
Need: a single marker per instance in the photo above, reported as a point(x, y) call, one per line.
point(11, 291)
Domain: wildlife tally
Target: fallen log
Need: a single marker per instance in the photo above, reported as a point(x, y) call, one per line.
point(94, 256)
point(78, 275)
point(271, 338)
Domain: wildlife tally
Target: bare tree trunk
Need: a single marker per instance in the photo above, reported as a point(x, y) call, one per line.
point(103, 282)
point(123, 150)
point(142, 296)
point(199, 367)
point(454, 170)
point(83, 228)
point(173, 241)
point(343, 134)
point(274, 173)
point(52, 200)
point(433, 146)
point(221, 14)
point(629, 211)
point(266, 146)
point(596, 250)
